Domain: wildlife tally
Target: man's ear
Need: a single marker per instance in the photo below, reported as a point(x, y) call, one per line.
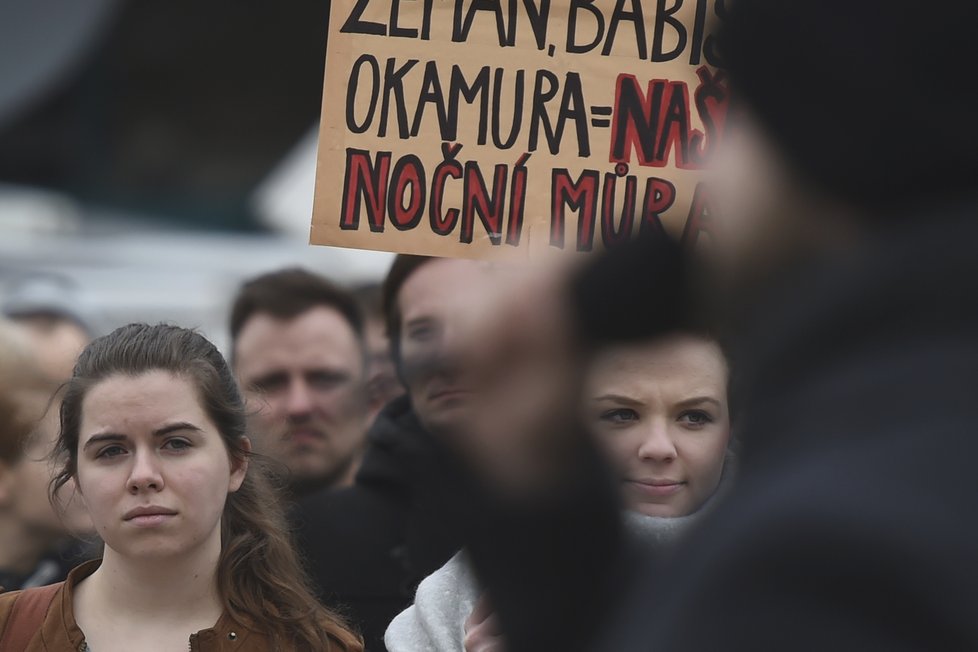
point(239, 465)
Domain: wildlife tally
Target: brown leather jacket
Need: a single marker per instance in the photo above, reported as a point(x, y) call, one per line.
point(60, 633)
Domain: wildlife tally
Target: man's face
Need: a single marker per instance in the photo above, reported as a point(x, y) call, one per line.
point(303, 380)
point(440, 305)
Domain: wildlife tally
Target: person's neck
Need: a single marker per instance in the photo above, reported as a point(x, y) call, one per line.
point(181, 586)
point(20, 550)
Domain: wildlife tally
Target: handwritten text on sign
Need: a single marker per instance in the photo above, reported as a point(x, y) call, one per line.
point(476, 127)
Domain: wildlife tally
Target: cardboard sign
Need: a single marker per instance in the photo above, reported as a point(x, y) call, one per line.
point(487, 128)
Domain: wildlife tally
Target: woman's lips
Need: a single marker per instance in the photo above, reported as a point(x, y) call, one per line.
point(150, 520)
point(656, 488)
point(149, 516)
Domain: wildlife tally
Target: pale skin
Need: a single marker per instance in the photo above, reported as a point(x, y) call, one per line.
point(660, 411)
point(304, 381)
point(146, 442)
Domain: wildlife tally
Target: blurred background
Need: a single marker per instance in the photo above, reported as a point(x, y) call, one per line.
point(154, 154)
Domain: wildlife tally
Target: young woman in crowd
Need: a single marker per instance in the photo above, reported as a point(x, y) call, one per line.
point(196, 547)
point(659, 409)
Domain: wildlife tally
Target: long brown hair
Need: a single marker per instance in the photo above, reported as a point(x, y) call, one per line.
point(259, 574)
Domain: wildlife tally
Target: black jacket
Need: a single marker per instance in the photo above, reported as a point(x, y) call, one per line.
point(852, 526)
point(368, 546)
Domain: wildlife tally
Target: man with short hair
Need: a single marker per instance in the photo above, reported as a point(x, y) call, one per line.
point(370, 545)
point(297, 351)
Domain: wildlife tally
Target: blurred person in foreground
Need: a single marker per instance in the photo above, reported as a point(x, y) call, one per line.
point(37, 545)
point(383, 384)
point(846, 244)
point(659, 410)
point(370, 545)
point(299, 355)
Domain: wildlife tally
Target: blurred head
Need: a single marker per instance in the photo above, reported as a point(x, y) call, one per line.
point(52, 314)
point(433, 306)
point(56, 342)
point(383, 385)
point(27, 433)
point(808, 165)
point(660, 410)
point(298, 352)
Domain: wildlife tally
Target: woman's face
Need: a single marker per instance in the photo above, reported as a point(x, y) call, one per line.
point(660, 410)
point(152, 468)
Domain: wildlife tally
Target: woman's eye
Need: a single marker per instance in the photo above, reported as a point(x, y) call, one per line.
point(620, 415)
point(111, 451)
point(696, 418)
point(177, 444)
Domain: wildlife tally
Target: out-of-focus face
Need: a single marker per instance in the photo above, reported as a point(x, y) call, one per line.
point(56, 343)
point(304, 383)
point(440, 305)
point(31, 477)
point(152, 469)
point(660, 410)
point(767, 216)
point(382, 382)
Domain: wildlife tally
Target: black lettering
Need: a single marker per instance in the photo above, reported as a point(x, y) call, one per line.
point(353, 85)
point(572, 45)
point(431, 94)
point(663, 16)
point(635, 17)
point(497, 91)
point(394, 83)
point(354, 25)
point(479, 89)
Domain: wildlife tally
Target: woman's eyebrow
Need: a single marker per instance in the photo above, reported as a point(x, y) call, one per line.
point(698, 400)
point(173, 427)
point(159, 432)
point(108, 436)
point(618, 398)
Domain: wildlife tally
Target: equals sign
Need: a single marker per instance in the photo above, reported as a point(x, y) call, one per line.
point(600, 110)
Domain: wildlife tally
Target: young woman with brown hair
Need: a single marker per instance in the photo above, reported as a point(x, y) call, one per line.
point(196, 547)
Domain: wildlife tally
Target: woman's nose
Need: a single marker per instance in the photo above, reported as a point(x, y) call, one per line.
point(657, 445)
point(145, 474)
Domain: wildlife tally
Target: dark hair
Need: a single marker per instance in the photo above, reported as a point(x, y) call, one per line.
point(643, 290)
point(288, 293)
point(401, 269)
point(259, 574)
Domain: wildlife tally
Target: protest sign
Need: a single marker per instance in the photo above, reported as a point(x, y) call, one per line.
point(485, 128)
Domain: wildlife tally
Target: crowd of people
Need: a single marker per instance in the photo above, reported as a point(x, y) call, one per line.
point(764, 446)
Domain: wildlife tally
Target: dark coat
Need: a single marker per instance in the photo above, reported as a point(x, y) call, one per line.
point(852, 526)
point(368, 546)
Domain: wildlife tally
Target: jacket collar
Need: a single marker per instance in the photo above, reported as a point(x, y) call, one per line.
point(60, 631)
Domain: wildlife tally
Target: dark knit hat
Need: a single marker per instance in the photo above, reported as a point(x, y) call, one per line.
point(874, 100)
